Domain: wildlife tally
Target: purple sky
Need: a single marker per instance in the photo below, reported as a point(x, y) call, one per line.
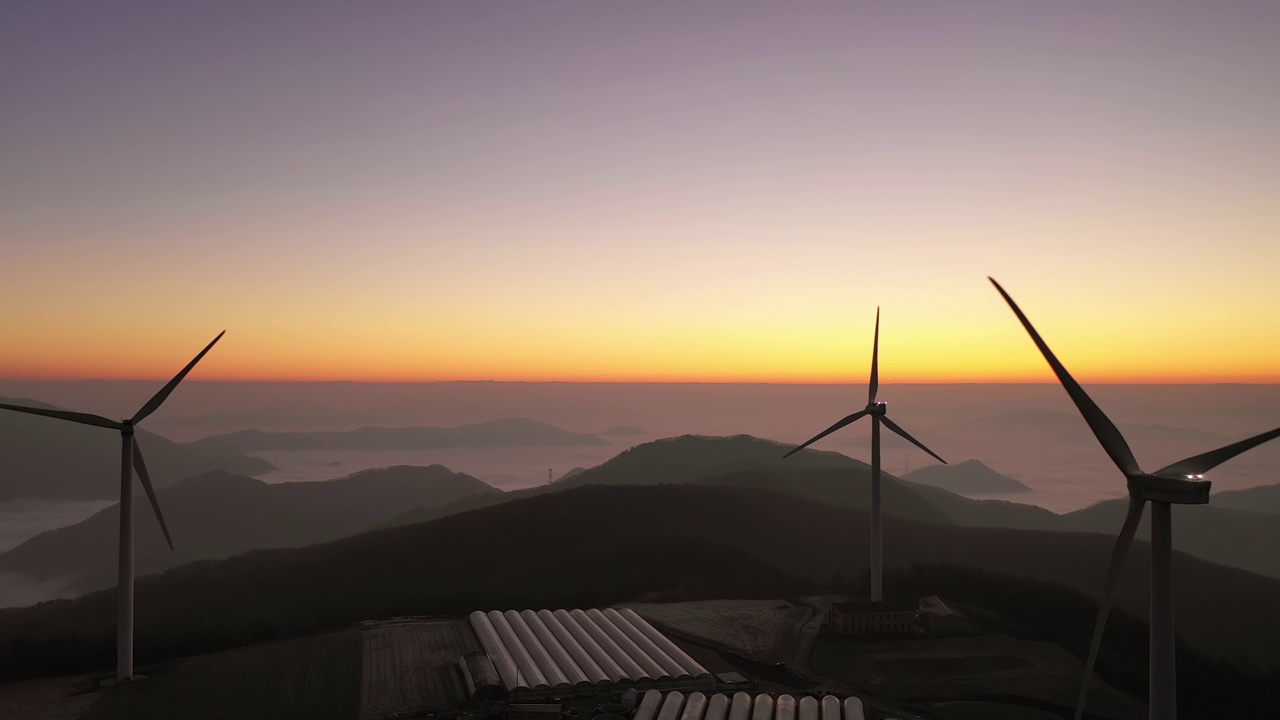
point(591, 180)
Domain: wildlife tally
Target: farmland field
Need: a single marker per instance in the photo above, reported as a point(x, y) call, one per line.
point(412, 664)
point(753, 628)
point(311, 678)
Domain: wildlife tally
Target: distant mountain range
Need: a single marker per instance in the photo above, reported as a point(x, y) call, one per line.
point(217, 515)
point(1232, 537)
point(45, 458)
point(508, 432)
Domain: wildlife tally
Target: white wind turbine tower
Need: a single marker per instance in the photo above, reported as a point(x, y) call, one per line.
point(877, 411)
point(130, 460)
point(1181, 483)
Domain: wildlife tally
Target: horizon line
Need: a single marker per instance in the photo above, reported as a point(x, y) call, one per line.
point(637, 382)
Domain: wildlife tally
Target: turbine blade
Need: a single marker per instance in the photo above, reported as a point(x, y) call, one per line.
point(826, 432)
point(82, 418)
point(1123, 541)
point(1103, 429)
point(874, 385)
point(141, 468)
point(894, 427)
point(1205, 462)
point(159, 397)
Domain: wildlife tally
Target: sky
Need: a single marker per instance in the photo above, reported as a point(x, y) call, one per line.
point(649, 191)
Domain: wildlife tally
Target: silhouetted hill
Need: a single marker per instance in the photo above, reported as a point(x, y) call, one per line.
point(1237, 538)
point(836, 487)
point(755, 462)
point(739, 460)
point(49, 458)
point(596, 545)
point(408, 517)
point(689, 458)
point(988, 513)
point(473, 502)
point(571, 473)
point(1264, 499)
point(217, 515)
point(970, 477)
point(512, 431)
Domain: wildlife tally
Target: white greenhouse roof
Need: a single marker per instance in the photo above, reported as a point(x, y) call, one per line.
point(675, 705)
point(540, 649)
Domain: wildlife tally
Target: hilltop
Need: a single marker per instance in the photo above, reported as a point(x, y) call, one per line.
point(688, 458)
point(740, 460)
point(970, 477)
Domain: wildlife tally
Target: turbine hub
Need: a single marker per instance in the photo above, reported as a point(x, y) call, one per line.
point(127, 428)
point(878, 408)
point(1179, 491)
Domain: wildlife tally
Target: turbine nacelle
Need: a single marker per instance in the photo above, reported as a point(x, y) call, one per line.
point(878, 408)
point(1189, 490)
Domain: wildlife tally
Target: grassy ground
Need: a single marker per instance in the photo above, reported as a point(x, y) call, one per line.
point(46, 699)
point(312, 678)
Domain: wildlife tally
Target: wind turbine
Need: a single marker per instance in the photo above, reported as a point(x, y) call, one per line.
point(130, 460)
point(877, 411)
point(1181, 483)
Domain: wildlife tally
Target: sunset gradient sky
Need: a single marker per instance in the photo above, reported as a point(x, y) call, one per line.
point(658, 190)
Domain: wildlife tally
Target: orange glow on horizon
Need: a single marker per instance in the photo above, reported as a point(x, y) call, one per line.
point(1028, 377)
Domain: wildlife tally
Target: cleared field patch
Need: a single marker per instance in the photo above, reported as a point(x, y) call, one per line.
point(412, 664)
point(752, 628)
point(311, 678)
point(966, 667)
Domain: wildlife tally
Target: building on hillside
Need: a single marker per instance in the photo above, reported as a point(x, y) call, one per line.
point(887, 617)
point(940, 616)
